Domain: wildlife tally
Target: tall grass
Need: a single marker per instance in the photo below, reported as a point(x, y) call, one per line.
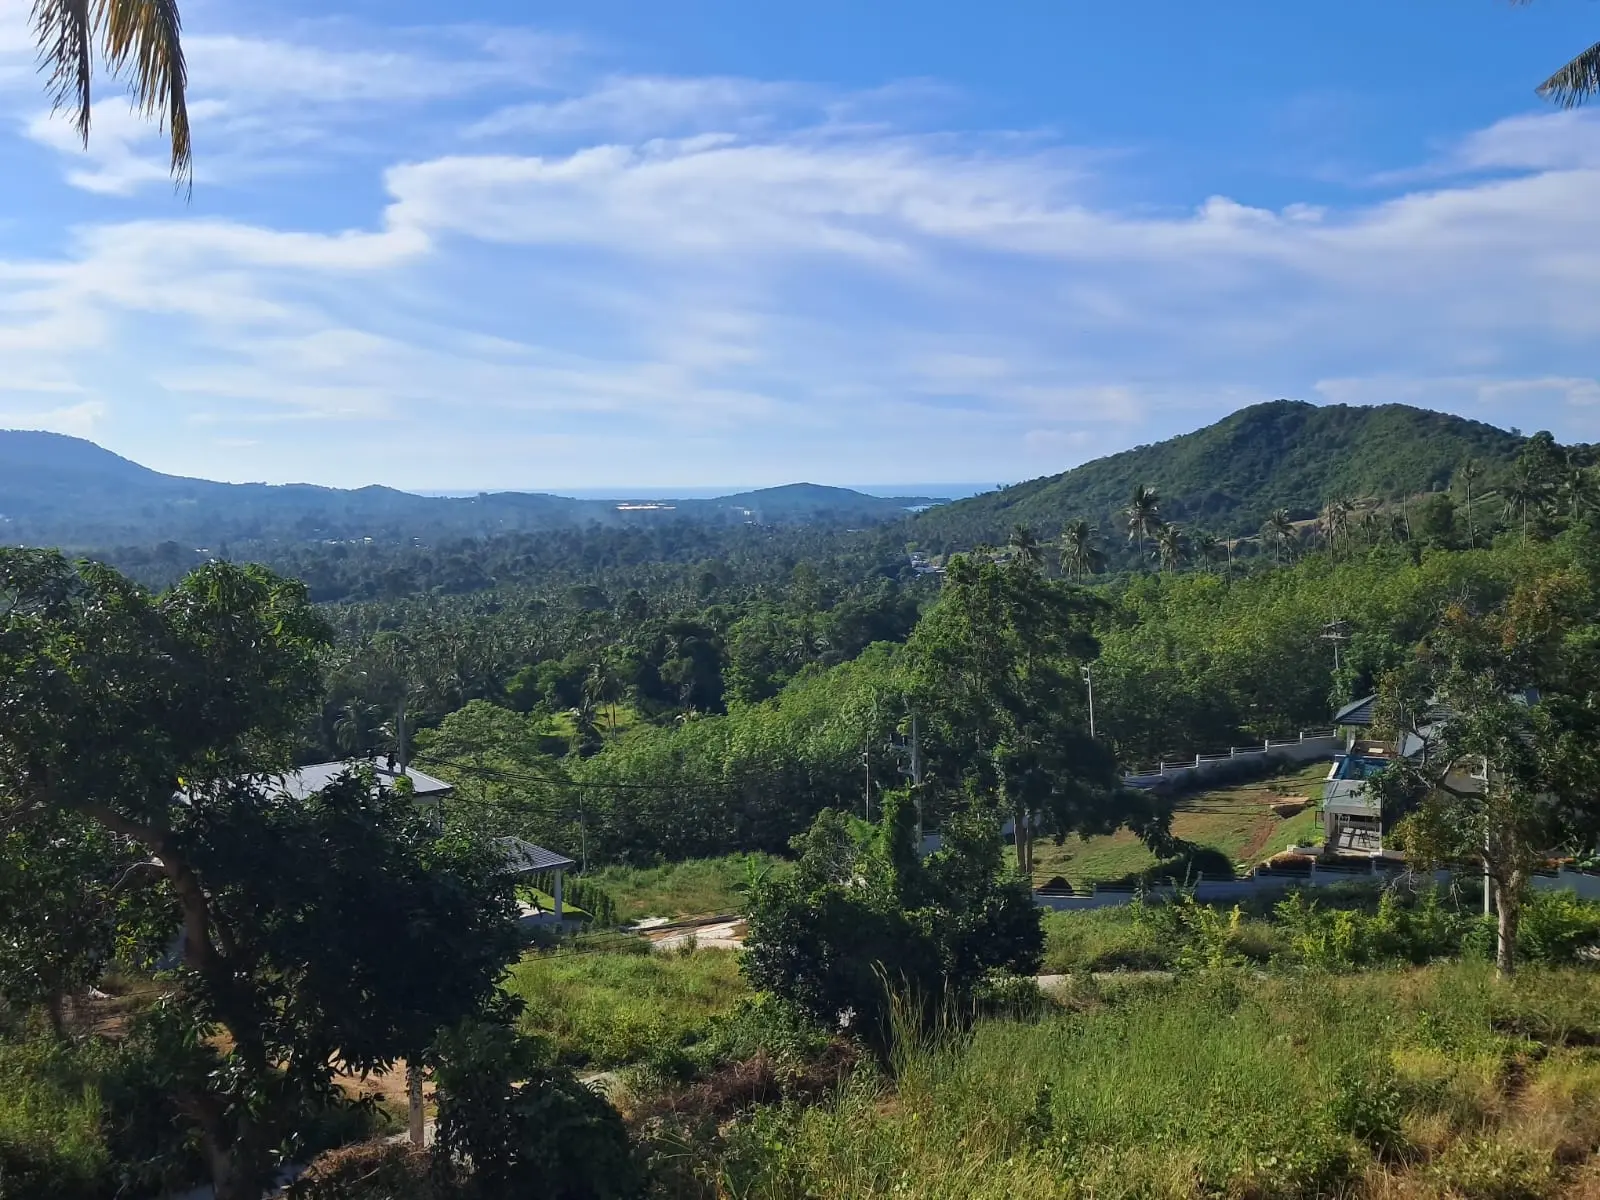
point(696, 887)
point(50, 1123)
point(1224, 1085)
point(614, 1009)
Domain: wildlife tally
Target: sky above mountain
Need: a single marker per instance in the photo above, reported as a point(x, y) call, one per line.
point(581, 244)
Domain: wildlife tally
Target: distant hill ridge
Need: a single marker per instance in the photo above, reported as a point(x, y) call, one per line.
point(1229, 476)
point(60, 490)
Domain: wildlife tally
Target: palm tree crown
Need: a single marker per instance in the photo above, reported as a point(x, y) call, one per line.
point(1025, 547)
point(1524, 490)
point(1278, 531)
point(1172, 548)
point(1080, 549)
point(137, 40)
point(1143, 514)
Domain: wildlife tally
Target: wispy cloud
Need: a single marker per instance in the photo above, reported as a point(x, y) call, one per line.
point(654, 278)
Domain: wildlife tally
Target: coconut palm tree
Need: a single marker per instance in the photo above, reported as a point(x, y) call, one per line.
point(136, 40)
point(1025, 547)
point(1469, 472)
point(1206, 547)
point(1143, 514)
point(1279, 532)
point(1524, 490)
point(358, 729)
point(1371, 527)
point(1578, 491)
point(1080, 549)
point(1172, 547)
point(1335, 520)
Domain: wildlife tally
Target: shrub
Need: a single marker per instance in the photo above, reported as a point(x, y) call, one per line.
point(1556, 925)
point(852, 925)
point(510, 1126)
point(1345, 938)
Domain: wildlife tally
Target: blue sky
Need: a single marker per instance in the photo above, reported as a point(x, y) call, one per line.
point(567, 245)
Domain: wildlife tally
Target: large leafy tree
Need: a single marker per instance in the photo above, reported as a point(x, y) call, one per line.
point(1504, 707)
point(995, 666)
point(864, 923)
point(139, 41)
point(325, 934)
point(71, 891)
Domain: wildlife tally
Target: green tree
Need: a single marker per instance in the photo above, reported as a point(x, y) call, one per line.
point(1510, 744)
point(324, 934)
point(1279, 533)
point(1469, 473)
point(1172, 547)
point(1143, 515)
point(1080, 549)
point(1025, 546)
point(994, 666)
point(1525, 490)
point(856, 926)
point(139, 40)
point(68, 889)
point(510, 1125)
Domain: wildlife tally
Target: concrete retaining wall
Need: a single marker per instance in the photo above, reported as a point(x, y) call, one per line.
point(1238, 761)
point(1585, 884)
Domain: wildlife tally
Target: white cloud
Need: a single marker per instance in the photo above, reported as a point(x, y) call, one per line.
point(637, 106)
point(723, 271)
point(78, 420)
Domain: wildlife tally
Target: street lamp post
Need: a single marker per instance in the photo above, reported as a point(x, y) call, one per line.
point(1088, 679)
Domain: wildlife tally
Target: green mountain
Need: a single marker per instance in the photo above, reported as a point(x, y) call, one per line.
point(1227, 477)
point(65, 491)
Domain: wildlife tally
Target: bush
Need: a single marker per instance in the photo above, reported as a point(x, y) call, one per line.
point(852, 927)
point(1556, 925)
point(1346, 938)
point(510, 1126)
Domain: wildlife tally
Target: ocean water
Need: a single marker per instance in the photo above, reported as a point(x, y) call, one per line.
point(942, 491)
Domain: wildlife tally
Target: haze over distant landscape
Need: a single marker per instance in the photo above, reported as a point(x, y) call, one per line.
point(614, 246)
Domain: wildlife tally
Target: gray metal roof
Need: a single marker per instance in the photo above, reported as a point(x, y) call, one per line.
point(524, 856)
point(303, 781)
point(1357, 712)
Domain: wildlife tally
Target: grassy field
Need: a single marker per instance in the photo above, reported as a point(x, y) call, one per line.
point(611, 1009)
point(698, 887)
point(1237, 820)
point(1430, 1082)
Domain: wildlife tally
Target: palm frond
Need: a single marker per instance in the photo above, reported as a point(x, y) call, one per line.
point(141, 41)
point(144, 38)
point(64, 32)
point(1576, 82)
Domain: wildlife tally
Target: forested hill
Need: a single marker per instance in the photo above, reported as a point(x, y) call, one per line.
point(64, 491)
point(1228, 477)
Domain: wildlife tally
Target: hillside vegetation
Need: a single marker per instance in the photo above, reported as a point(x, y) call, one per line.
point(1228, 477)
point(58, 490)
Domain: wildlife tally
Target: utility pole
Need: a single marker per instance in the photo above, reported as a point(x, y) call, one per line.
point(866, 757)
point(916, 777)
point(1088, 679)
point(1337, 632)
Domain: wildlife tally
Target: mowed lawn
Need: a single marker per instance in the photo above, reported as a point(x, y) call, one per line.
point(1238, 820)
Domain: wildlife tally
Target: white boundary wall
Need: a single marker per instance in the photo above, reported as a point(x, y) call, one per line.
point(1585, 884)
point(1308, 747)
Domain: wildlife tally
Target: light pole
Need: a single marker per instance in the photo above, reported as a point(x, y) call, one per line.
point(1088, 679)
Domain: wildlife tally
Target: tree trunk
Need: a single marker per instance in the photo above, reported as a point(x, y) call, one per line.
point(227, 1151)
point(1510, 909)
